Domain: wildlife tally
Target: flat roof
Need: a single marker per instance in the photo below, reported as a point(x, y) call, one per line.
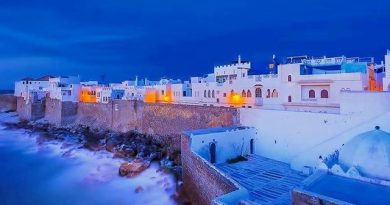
point(349, 190)
point(267, 181)
point(214, 130)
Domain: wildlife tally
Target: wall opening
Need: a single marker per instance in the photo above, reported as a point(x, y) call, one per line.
point(212, 153)
point(258, 93)
point(252, 146)
point(312, 94)
point(324, 94)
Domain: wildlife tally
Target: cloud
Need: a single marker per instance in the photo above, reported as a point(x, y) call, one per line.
point(179, 38)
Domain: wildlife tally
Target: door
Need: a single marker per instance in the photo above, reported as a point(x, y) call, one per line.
point(252, 146)
point(212, 153)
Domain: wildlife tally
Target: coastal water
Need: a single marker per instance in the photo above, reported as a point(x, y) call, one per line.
point(59, 173)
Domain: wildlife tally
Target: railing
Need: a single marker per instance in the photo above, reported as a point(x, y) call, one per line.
point(336, 60)
point(309, 99)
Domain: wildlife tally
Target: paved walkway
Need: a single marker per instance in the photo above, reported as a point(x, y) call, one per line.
point(268, 181)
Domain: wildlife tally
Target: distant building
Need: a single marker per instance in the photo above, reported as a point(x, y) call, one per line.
point(103, 94)
point(302, 84)
point(32, 89)
point(386, 79)
point(65, 88)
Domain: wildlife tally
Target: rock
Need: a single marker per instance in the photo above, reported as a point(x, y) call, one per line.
point(134, 168)
point(139, 189)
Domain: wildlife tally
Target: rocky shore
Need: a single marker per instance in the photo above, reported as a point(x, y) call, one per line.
point(136, 149)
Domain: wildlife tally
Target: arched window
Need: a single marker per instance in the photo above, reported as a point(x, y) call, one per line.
point(324, 94)
point(205, 94)
point(212, 153)
point(209, 94)
point(232, 92)
point(268, 93)
point(289, 99)
point(289, 78)
point(248, 94)
point(312, 94)
point(243, 94)
point(275, 93)
point(258, 93)
point(213, 94)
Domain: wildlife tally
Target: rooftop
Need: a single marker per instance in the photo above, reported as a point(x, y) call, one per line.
point(268, 181)
point(348, 190)
point(43, 78)
point(214, 130)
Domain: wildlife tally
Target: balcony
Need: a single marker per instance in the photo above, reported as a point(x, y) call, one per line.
point(259, 101)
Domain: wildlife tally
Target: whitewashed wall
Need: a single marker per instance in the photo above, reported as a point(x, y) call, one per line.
point(229, 144)
point(285, 135)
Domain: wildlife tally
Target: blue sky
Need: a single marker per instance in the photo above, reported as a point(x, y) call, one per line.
point(179, 38)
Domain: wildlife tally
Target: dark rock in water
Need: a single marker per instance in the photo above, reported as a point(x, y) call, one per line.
point(139, 189)
point(134, 168)
point(112, 141)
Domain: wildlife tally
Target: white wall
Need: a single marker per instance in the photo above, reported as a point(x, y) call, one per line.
point(229, 144)
point(285, 135)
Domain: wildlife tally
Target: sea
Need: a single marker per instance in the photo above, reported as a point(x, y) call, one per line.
point(58, 173)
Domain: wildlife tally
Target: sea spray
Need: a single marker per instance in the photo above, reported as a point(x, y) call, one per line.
point(36, 171)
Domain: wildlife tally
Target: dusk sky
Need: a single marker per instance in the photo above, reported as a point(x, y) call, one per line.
point(178, 38)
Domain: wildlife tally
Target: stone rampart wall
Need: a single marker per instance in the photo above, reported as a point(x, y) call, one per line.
point(30, 110)
point(201, 180)
point(7, 102)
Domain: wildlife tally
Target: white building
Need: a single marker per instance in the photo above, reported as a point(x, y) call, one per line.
point(32, 89)
point(303, 84)
point(65, 88)
point(103, 94)
point(386, 79)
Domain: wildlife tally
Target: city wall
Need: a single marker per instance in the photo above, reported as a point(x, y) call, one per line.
point(165, 122)
point(201, 178)
point(7, 102)
point(28, 110)
point(60, 113)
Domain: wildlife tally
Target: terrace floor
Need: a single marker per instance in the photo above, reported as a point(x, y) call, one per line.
point(268, 181)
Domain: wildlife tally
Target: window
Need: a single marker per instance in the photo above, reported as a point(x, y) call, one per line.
point(268, 93)
point(258, 93)
point(224, 94)
point(209, 94)
point(312, 94)
point(275, 93)
point(232, 92)
point(243, 94)
point(249, 94)
point(205, 94)
point(324, 94)
point(213, 94)
point(162, 92)
point(289, 78)
point(289, 99)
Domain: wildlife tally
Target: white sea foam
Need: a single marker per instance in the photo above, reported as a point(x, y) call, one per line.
point(89, 176)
